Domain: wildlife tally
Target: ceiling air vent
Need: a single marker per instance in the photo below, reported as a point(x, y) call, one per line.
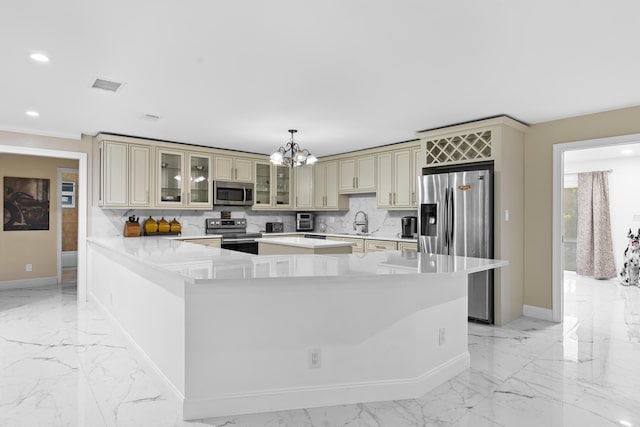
point(106, 85)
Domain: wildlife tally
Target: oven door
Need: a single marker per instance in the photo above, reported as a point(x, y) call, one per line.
point(247, 246)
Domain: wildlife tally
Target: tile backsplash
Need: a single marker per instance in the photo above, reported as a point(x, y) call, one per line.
point(110, 222)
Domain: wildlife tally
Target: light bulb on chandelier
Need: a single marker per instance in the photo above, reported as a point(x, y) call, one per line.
point(291, 155)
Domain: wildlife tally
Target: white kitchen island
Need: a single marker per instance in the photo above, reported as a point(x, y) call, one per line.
point(301, 246)
point(231, 333)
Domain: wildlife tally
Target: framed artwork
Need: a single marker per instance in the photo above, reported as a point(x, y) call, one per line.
point(26, 204)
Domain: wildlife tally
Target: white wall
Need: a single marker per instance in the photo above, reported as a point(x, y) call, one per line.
point(623, 196)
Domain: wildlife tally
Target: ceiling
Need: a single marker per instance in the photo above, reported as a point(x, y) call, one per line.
point(347, 74)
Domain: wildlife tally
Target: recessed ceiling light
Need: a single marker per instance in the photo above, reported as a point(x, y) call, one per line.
point(39, 57)
point(33, 113)
point(626, 152)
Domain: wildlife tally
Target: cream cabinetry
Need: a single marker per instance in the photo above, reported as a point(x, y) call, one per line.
point(228, 168)
point(416, 163)
point(358, 243)
point(396, 174)
point(304, 187)
point(408, 246)
point(325, 189)
point(358, 174)
point(273, 187)
point(183, 179)
point(213, 242)
point(139, 175)
point(374, 245)
point(124, 174)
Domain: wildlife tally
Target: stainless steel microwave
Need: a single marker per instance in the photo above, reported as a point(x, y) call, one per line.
point(232, 193)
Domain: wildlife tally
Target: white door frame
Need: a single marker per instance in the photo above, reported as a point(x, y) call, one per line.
point(82, 192)
point(558, 185)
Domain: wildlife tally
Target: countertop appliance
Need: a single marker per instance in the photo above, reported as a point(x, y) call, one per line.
point(455, 217)
point(232, 193)
point(274, 227)
point(304, 221)
point(234, 234)
point(409, 226)
point(315, 236)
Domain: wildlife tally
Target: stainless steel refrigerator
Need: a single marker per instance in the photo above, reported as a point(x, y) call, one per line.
point(455, 217)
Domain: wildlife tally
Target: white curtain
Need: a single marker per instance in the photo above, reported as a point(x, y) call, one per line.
point(594, 255)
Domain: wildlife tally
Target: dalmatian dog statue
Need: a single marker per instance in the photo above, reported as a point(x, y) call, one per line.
point(631, 268)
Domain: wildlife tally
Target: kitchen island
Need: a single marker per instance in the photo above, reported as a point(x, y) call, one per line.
point(301, 246)
point(230, 333)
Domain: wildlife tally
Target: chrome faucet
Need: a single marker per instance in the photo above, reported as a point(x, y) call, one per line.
point(364, 223)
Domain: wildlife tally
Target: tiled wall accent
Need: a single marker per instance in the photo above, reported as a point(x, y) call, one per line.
point(110, 222)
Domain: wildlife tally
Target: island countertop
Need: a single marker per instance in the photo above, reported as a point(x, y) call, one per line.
point(201, 264)
point(302, 242)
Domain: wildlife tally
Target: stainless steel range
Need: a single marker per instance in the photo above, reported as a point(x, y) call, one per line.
point(234, 234)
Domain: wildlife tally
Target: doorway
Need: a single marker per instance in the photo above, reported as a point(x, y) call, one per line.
point(82, 194)
point(582, 156)
point(67, 237)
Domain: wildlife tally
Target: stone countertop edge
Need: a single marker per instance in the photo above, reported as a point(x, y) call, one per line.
point(182, 260)
point(350, 236)
point(302, 242)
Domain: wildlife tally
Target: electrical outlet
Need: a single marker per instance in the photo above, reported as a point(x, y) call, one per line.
point(29, 267)
point(442, 336)
point(315, 358)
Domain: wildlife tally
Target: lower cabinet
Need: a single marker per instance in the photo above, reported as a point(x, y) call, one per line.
point(373, 245)
point(359, 243)
point(408, 246)
point(213, 242)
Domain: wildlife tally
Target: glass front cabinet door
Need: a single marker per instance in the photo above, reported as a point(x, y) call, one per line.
point(263, 186)
point(272, 187)
point(170, 176)
point(200, 187)
point(283, 186)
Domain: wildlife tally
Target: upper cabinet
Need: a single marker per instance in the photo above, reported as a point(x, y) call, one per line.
point(170, 178)
point(304, 187)
point(183, 179)
point(124, 174)
point(325, 189)
point(228, 168)
point(200, 190)
point(358, 174)
point(398, 172)
point(273, 187)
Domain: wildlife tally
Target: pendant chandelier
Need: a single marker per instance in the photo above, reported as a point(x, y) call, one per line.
point(291, 155)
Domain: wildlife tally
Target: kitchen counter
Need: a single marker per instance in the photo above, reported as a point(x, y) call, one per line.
point(231, 333)
point(394, 238)
point(198, 264)
point(301, 245)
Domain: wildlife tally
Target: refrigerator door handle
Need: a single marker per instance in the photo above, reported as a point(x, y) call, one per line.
point(445, 218)
point(451, 216)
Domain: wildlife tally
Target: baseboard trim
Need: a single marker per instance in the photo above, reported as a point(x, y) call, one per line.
point(164, 383)
point(334, 394)
point(28, 283)
point(537, 312)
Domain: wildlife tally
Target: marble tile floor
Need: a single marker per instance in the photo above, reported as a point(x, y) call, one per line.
point(62, 365)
